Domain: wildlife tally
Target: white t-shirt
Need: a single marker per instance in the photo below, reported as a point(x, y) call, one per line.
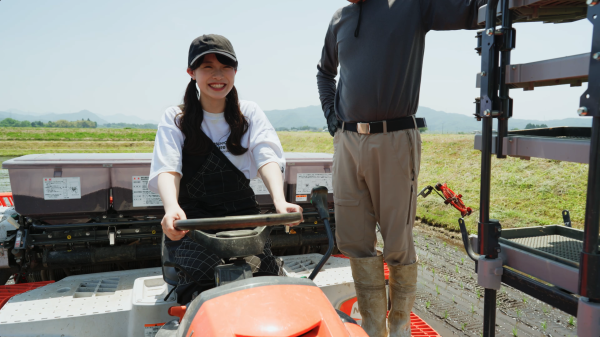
point(261, 141)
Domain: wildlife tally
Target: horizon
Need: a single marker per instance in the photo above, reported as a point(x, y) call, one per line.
point(266, 111)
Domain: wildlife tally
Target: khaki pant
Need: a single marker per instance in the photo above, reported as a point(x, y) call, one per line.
point(375, 181)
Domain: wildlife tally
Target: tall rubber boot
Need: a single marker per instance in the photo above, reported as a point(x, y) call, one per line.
point(403, 290)
point(369, 283)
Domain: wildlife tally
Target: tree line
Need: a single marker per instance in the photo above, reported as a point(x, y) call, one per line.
point(535, 126)
point(61, 123)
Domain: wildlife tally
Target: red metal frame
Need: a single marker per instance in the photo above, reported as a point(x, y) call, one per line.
point(6, 199)
point(8, 291)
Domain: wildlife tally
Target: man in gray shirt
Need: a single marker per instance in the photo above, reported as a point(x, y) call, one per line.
point(378, 46)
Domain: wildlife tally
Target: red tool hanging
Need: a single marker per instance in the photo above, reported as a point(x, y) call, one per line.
point(449, 196)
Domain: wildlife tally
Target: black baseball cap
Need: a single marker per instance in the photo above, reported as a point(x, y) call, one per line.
point(210, 44)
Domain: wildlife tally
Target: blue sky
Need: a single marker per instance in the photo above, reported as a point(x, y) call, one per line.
point(129, 57)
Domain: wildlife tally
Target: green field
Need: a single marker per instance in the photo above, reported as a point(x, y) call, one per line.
point(524, 192)
point(68, 134)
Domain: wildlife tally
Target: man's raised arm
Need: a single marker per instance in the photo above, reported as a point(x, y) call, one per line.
point(450, 14)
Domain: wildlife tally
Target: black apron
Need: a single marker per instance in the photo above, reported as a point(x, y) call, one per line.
point(212, 186)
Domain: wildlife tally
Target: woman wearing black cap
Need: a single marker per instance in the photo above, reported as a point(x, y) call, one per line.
point(205, 152)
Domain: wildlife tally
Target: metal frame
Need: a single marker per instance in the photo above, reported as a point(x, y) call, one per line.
point(571, 70)
point(495, 45)
point(542, 291)
point(525, 147)
point(561, 275)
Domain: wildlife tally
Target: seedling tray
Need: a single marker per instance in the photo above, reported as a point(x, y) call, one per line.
point(558, 243)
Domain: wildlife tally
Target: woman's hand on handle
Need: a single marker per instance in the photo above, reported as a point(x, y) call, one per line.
point(271, 176)
point(168, 188)
point(168, 221)
point(286, 207)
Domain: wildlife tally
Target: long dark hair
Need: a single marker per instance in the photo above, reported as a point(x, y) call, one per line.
point(189, 121)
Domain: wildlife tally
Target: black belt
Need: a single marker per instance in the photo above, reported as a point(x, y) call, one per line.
point(391, 125)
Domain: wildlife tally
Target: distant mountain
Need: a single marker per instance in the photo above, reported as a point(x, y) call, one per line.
point(83, 114)
point(307, 116)
point(437, 121)
point(312, 116)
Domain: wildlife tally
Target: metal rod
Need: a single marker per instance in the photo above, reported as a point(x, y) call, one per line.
point(588, 283)
point(486, 170)
point(503, 94)
point(238, 221)
point(489, 92)
point(95, 224)
point(487, 122)
point(592, 209)
point(329, 251)
point(489, 312)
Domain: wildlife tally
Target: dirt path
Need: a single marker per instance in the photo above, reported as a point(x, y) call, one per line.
point(449, 299)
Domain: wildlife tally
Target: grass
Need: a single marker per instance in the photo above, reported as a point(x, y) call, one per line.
point(21, 148)
point(64, 134)
point(306, 141)
point(524, 192)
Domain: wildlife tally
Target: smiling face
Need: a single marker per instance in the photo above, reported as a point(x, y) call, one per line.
point(215, 80)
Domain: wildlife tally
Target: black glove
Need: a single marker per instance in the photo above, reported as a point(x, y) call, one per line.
point(332, 121)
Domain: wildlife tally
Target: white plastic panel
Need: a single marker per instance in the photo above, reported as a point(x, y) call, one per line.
point(104, 304)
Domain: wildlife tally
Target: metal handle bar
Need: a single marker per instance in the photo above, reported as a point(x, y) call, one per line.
point(465, 238)
point(318, 198)
point(239, 221)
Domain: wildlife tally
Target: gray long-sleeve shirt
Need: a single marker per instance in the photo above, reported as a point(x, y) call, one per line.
point(380, 70)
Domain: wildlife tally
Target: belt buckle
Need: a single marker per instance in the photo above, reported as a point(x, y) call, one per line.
point(363, 128)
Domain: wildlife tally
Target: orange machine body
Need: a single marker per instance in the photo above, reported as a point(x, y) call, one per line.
point(268, 310)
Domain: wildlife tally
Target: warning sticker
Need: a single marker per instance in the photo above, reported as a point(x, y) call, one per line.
point(259, 187)
point(142, 196)
point(150, 330)
point(306, 182)
point(62, 188)
point(301, 197)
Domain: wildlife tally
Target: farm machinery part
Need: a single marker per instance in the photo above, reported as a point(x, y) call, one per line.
point(85, 213)
point(234, 306)
point(449, 197)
